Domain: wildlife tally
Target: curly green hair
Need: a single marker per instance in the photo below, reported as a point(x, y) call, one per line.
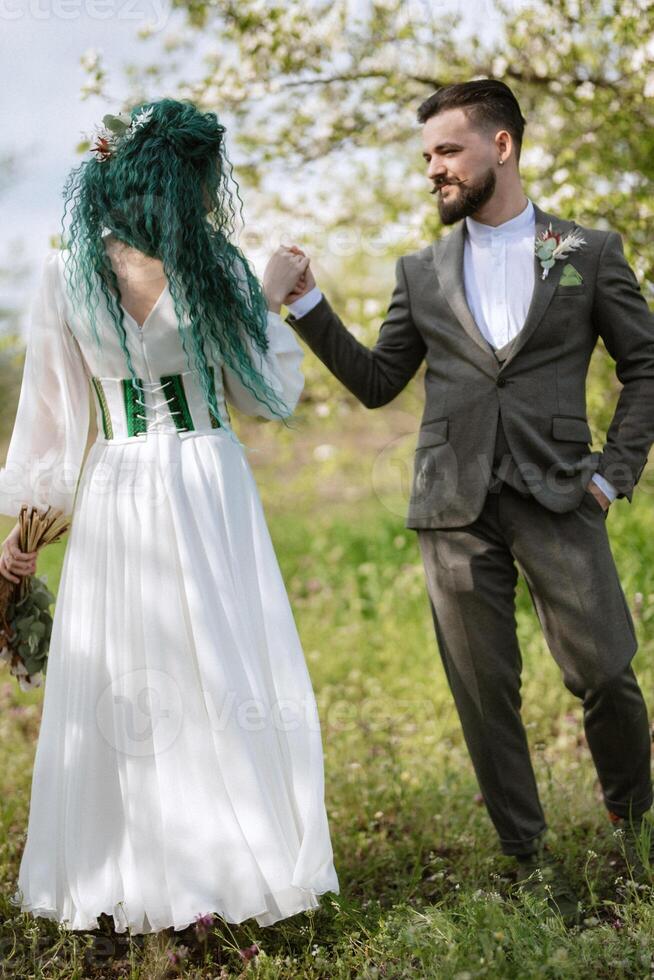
point(165, 191)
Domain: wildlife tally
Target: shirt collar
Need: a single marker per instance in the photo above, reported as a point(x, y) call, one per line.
point(521, 225)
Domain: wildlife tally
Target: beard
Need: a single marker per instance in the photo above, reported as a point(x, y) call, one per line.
point(469, 197)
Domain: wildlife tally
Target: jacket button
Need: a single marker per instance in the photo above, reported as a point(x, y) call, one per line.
point(501, 382)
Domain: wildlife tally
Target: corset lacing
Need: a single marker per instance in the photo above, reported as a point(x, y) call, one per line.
point(156, 407)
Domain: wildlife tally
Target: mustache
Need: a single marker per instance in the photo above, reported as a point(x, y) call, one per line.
point(443, 183)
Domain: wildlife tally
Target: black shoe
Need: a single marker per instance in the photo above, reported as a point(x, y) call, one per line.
point(543, 875)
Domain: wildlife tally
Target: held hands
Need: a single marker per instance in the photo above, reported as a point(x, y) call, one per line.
point(306, 282)
point(15, 563)
point(287, 277)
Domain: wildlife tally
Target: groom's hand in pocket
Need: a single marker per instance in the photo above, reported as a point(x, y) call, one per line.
point(599, 495)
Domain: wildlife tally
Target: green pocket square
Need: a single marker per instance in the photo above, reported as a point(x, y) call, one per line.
point(570, 276)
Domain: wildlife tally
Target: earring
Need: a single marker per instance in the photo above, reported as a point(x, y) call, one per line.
point(500, 162)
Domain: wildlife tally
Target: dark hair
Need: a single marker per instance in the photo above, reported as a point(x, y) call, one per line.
point(165, 189)
point(487, 102)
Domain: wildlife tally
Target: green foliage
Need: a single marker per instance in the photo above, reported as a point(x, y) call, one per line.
point(12, 356)
point(31, 622)
point(323, 97)
point(425, 891)
point(13, 271)
point(327, 80)
point(329, 90)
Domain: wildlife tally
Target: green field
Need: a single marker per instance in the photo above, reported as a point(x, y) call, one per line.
point(424, 886)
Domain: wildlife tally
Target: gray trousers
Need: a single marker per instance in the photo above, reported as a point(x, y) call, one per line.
point(570, 572)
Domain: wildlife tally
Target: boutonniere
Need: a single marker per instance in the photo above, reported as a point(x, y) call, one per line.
point(551, 246)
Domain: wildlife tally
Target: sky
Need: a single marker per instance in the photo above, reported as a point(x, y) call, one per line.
point(43, 115)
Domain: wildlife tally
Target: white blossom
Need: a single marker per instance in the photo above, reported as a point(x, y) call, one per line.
point(90, 60)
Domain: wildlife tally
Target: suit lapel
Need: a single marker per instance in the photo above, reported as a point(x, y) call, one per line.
point(448, 260)
point(544, 289)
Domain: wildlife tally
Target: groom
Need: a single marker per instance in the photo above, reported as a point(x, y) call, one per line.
point(503, 475)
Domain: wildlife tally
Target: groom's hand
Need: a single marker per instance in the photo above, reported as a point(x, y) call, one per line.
point(305, 283)
point(599, 494)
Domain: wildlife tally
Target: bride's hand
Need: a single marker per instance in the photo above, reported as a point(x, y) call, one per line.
point(306, 283)
point(15, 563)
point(282, 276)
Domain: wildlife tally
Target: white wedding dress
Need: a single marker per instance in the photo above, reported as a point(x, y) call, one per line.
point(179, 765)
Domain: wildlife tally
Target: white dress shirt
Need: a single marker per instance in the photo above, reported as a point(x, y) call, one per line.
point(498, 273)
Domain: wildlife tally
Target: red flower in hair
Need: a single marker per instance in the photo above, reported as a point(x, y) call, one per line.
point(102, 148)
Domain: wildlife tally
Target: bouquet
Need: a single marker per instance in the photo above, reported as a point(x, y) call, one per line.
point(25, 619)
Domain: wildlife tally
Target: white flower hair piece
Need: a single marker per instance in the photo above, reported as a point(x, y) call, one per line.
point(116, 130)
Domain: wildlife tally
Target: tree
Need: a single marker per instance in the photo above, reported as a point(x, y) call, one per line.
point(325, 93)
point(315, 83)
point(12, 350)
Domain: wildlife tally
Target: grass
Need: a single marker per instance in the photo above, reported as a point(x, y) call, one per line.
point(424, 886)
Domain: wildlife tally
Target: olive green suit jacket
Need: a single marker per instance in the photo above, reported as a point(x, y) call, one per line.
point(536, 384)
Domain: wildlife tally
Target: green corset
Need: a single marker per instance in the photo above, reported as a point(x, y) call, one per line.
point(175, 403)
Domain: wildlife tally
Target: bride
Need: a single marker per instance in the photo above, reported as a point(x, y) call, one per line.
point(179, 765)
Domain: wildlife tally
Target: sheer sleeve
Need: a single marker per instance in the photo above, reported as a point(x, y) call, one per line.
point(52, 419)
point(279, 366)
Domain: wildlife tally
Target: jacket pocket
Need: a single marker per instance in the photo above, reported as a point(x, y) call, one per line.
point(571, 428)
point(562, 291)
point(432, 433)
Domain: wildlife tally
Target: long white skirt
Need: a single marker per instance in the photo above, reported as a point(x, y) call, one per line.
point(179, 766)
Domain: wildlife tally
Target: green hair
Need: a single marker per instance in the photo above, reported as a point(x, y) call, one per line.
point(165, 191)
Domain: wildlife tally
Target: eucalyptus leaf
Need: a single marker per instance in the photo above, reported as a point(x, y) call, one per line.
point(42, 599)
point(115, 124)
point(32, 665)
point(31, 620)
